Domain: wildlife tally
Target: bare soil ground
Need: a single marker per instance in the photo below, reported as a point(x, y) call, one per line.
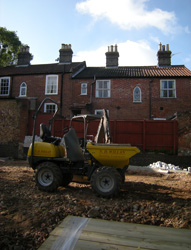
point(27, 215)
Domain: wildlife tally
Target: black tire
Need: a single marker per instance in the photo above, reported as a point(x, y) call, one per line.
point(48, 177)
point(122, 175)
point(106, 181)
point(67, 178)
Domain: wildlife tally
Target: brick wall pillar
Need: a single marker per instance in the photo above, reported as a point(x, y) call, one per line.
point(13, 126)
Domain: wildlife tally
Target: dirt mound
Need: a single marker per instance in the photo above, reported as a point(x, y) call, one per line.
point(27, 215)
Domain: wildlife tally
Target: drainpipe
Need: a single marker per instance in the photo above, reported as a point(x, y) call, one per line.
point(91, 95)
point(150, 97)
point(61, 94)
point(11, 87)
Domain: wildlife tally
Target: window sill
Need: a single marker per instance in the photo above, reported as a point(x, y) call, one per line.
point(103, 97)
point(168, 97)
point(137, 102)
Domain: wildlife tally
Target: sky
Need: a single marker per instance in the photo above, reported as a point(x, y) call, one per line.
point(90, 26)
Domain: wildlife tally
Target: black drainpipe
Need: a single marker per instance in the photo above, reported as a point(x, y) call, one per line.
point(61, 94)
point(150, 97)
point(11, 87)
point(91, 95)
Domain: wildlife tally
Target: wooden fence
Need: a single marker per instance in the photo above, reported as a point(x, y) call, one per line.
point(145, 134)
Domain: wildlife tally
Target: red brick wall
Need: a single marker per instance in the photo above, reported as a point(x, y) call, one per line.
point(35, 87)
point(171, 105)
point(121, 105)
point(67, 96)
point(184, 135)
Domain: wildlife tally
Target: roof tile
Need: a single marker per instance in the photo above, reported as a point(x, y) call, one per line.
point(135, 72)
point(53, 68)
point(99, 72)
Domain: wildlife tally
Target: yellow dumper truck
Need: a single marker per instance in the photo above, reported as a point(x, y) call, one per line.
point(96, 161)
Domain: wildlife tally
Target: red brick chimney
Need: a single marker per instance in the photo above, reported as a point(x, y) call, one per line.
point(112, 56)
point(65, 54)
point(24, 56)
point(164, 56)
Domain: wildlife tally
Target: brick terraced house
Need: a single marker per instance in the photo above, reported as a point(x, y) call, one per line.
point(144, 92)
point(23, 87)
point(36, 82)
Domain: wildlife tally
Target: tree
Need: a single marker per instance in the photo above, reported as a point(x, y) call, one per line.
point(9, 47)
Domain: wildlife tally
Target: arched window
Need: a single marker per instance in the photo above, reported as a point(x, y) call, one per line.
point(23, 89)
point(137, 94)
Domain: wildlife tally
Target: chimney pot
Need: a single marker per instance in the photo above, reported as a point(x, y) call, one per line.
point(160, 46)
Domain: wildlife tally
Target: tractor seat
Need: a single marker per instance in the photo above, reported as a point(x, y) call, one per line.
point(45, 135)
point(74, 151)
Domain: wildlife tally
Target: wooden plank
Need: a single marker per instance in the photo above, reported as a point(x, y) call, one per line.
point(82, 245)
point(140, 230)
point(87, 245)
point(136, 242)
point(96, 234)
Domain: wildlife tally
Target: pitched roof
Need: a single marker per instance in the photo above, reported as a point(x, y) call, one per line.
point(54, 68)
point(134, 72)
point(80, 71)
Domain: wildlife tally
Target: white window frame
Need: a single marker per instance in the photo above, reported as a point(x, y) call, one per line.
point(167, 89)
point(102, 90)
point(100, 111)
point(140, 95)
point(84, 89)
point(50, 104)
point(8, 90)
point(55, 92)
point(23, 87)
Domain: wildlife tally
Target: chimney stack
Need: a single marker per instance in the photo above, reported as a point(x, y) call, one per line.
point(164, 56)
point(24, 56)
point(65, 54)
point(112, 56)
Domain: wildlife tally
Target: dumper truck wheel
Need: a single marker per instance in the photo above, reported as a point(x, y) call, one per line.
point(48, 177)
point(106, 181)
point(67, 178)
